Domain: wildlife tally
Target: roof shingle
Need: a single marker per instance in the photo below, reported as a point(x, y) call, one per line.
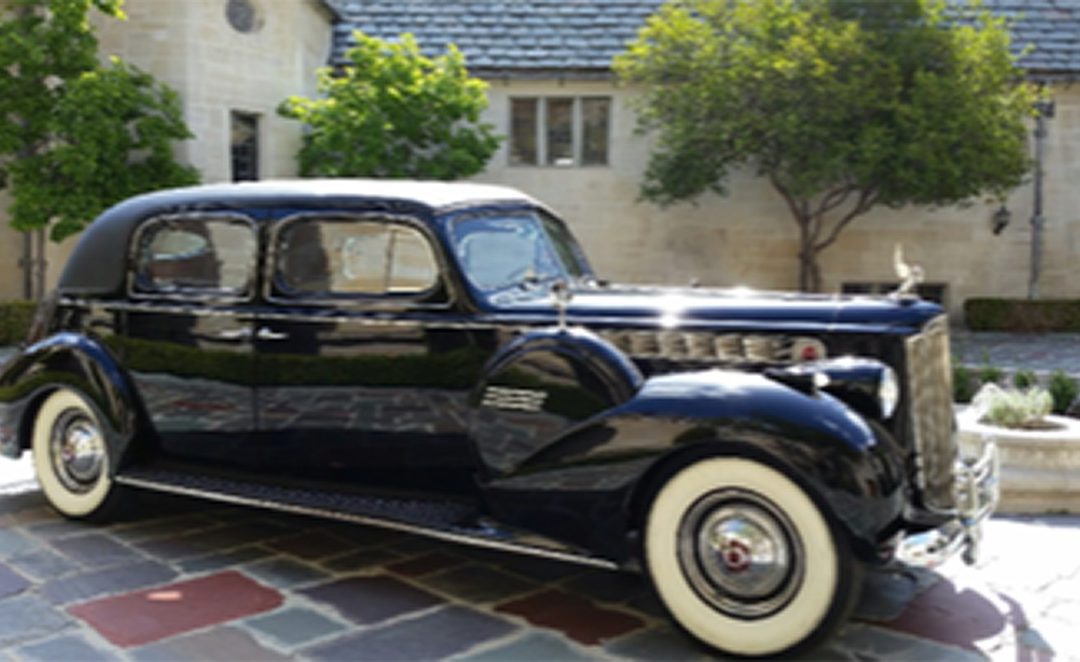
point(524, 36)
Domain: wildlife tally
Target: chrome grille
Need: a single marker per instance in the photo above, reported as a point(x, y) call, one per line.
point(930, 396)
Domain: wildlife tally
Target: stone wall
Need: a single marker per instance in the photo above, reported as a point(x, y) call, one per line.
point(189, 45)
point(748, 238)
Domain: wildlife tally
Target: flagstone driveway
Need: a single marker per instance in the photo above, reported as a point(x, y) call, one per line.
point(190, 580)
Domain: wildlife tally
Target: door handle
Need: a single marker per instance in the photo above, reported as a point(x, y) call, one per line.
point(265, 333)
point(242, 333)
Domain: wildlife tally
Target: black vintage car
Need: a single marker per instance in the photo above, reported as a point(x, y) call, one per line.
point(440, 358)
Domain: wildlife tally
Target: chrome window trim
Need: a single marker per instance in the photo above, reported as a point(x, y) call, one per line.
point(195, 295)
point(390, 302)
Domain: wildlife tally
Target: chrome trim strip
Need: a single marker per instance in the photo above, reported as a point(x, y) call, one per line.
point(448, 536)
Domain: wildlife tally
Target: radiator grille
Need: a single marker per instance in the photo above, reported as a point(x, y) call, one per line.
point(930, 394)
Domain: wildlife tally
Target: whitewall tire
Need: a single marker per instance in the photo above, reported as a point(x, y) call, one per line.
point(744, 560)
point(71, 456)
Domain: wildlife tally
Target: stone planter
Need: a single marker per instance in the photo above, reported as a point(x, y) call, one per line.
point(1040, 469)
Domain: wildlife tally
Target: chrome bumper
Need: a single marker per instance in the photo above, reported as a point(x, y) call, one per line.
point(977, 493)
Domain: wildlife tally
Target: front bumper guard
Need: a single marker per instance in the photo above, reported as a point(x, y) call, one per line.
point(977, 493)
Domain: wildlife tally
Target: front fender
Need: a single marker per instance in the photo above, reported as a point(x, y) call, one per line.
point(605, 468)
point(66, 360)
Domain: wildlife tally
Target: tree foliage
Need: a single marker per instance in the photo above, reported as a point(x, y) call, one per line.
point(77, 136)
point(392, 112)
point(841, 104)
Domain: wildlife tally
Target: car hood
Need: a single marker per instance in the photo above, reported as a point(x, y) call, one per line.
point(671, 307)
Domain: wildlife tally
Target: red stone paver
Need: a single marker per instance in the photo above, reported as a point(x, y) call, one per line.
point(572, 615)
point(149, 615)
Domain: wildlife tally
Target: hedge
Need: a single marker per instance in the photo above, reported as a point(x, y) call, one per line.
point(15, 317)
point(1022, 315)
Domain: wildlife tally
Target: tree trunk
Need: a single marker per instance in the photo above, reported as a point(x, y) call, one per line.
point(41, 264)
point(809, 271)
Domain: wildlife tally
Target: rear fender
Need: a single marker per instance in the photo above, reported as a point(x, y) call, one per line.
point(78, 362)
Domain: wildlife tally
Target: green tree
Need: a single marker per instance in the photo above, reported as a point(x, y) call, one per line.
point(77, 136)
point(841, 104)
point(393, 112)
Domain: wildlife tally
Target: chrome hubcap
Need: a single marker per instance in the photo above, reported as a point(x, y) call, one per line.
point(740, 553)
point(78, 450)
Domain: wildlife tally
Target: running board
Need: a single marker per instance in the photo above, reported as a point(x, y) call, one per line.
point(442, 520)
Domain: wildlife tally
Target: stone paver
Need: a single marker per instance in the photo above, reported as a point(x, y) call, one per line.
point(134, 619)
point(224, 643)
point(91, 584)
point(366, 600)
point(1040, 352)
point(65, 647)
point(447, 632)
point(296, 626)
point(573, 615)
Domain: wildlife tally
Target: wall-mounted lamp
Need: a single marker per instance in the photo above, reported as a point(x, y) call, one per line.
point(1000, 219)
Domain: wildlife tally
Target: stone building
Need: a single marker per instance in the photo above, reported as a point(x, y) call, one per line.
point(571, 139)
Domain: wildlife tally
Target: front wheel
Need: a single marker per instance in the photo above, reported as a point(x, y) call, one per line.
point(745, 561)
point(71, 458)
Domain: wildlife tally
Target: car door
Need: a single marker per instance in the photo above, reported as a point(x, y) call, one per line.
point(188, 327)
point(363, 368)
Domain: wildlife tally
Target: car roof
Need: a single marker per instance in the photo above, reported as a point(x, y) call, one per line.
point(97, 266)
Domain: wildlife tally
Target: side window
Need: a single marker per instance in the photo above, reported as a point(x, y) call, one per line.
point(178, 256)
point(343, 257)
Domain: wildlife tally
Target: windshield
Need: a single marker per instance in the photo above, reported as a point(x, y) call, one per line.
point(503, 250)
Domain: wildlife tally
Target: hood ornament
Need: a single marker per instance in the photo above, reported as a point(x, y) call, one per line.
point(910, 275)
point(560, 297)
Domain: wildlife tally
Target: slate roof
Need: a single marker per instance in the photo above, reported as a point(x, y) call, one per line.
point(519, 37)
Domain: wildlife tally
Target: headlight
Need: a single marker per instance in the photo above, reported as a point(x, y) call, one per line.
point(888, 392)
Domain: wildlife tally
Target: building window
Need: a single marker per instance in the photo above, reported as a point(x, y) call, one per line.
point(243, 15)
point(245, 146)
point(560, 131)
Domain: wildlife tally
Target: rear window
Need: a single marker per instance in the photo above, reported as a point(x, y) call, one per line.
point(195, 256)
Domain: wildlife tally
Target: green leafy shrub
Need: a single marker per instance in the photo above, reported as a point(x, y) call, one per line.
point(1023, 315)
point(1010, 408)
point(1024, 379)
point(964, 385)
point(15, 318)
point(1063, 389)
point(989, 374)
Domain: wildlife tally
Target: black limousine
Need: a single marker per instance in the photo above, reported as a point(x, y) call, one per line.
point(440, 358)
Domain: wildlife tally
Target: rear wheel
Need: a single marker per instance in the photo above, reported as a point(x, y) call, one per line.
point(745, 561)
point(71, 457)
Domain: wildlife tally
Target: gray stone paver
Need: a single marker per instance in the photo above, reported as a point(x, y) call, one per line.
point(80, 587)
point(42, 564)
point(73, 647)
point(96, 550)
point(447, 632)
point(28, 617)
point(284, 572)
point(296, 626)
point(1040, 352)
